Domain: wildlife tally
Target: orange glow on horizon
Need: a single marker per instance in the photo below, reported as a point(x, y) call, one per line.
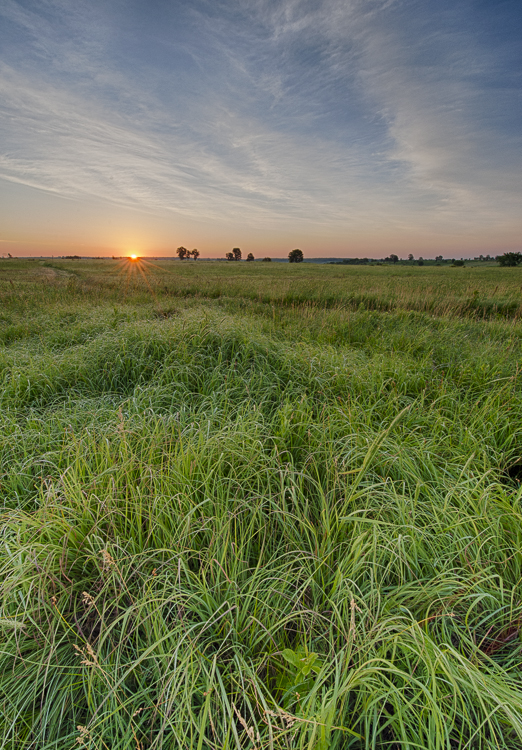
point(133, 257)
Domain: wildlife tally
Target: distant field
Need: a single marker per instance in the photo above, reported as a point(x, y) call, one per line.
point(475, 290)
point(260, 506)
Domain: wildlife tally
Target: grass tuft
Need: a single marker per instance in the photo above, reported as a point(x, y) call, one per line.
point(260, 516)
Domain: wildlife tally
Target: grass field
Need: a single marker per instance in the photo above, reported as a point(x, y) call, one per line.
point(260, 506)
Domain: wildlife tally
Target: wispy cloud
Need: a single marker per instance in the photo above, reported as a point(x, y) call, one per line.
point(338, 113)
point(222, 164)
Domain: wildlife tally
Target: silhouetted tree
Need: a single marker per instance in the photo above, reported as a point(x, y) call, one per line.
point(267, 260)
point(410, 257)
point(237, 253)
point(182, 253)
point(394, 258)
point(295, 256)
point(195, 254)
point(230, 256)
point(509, 259)
point(250, 256)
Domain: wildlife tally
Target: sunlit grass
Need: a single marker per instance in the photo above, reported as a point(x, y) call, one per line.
point(199, 488)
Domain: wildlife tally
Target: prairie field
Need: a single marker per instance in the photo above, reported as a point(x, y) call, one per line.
point(260, 505)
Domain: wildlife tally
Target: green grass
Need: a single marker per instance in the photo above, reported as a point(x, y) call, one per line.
point(260, 506)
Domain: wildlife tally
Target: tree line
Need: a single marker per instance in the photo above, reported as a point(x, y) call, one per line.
point(294, 256)
point(183, 253)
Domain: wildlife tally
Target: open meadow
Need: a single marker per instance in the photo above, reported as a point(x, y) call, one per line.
point(260, 505)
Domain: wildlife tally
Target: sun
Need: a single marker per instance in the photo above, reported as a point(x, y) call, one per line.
point(133, 257)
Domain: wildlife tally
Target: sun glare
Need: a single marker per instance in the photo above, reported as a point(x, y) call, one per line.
point(135, 271)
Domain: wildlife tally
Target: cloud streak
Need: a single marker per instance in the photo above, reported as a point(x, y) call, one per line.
point(348, 115)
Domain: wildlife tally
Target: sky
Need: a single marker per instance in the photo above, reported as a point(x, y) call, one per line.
point(346, 128)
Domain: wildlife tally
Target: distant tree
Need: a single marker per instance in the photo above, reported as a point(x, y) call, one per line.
point(458, 263)
point(182, 253)
point(394, 258)
point(439, 258)
point(195, 254)
point(295, 256)
point(237, 253)
point(410, 257)
point(267, 260)
point(9, 255)
point(509, 259)
point(420, 262)
point(230, 256)
point(250, 256)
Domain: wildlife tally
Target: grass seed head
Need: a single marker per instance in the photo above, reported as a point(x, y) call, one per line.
point(85, 735)
point(87, 599)
point(108, 560)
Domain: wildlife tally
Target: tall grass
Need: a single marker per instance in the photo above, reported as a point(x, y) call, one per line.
point(239, 524)
point(480, 292)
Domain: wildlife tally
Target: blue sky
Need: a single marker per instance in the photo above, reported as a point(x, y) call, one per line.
point(343, 127)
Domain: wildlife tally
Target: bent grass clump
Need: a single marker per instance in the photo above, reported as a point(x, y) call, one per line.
point(235, 528)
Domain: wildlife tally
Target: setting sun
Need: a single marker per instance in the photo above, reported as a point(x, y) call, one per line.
point(133, 257)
